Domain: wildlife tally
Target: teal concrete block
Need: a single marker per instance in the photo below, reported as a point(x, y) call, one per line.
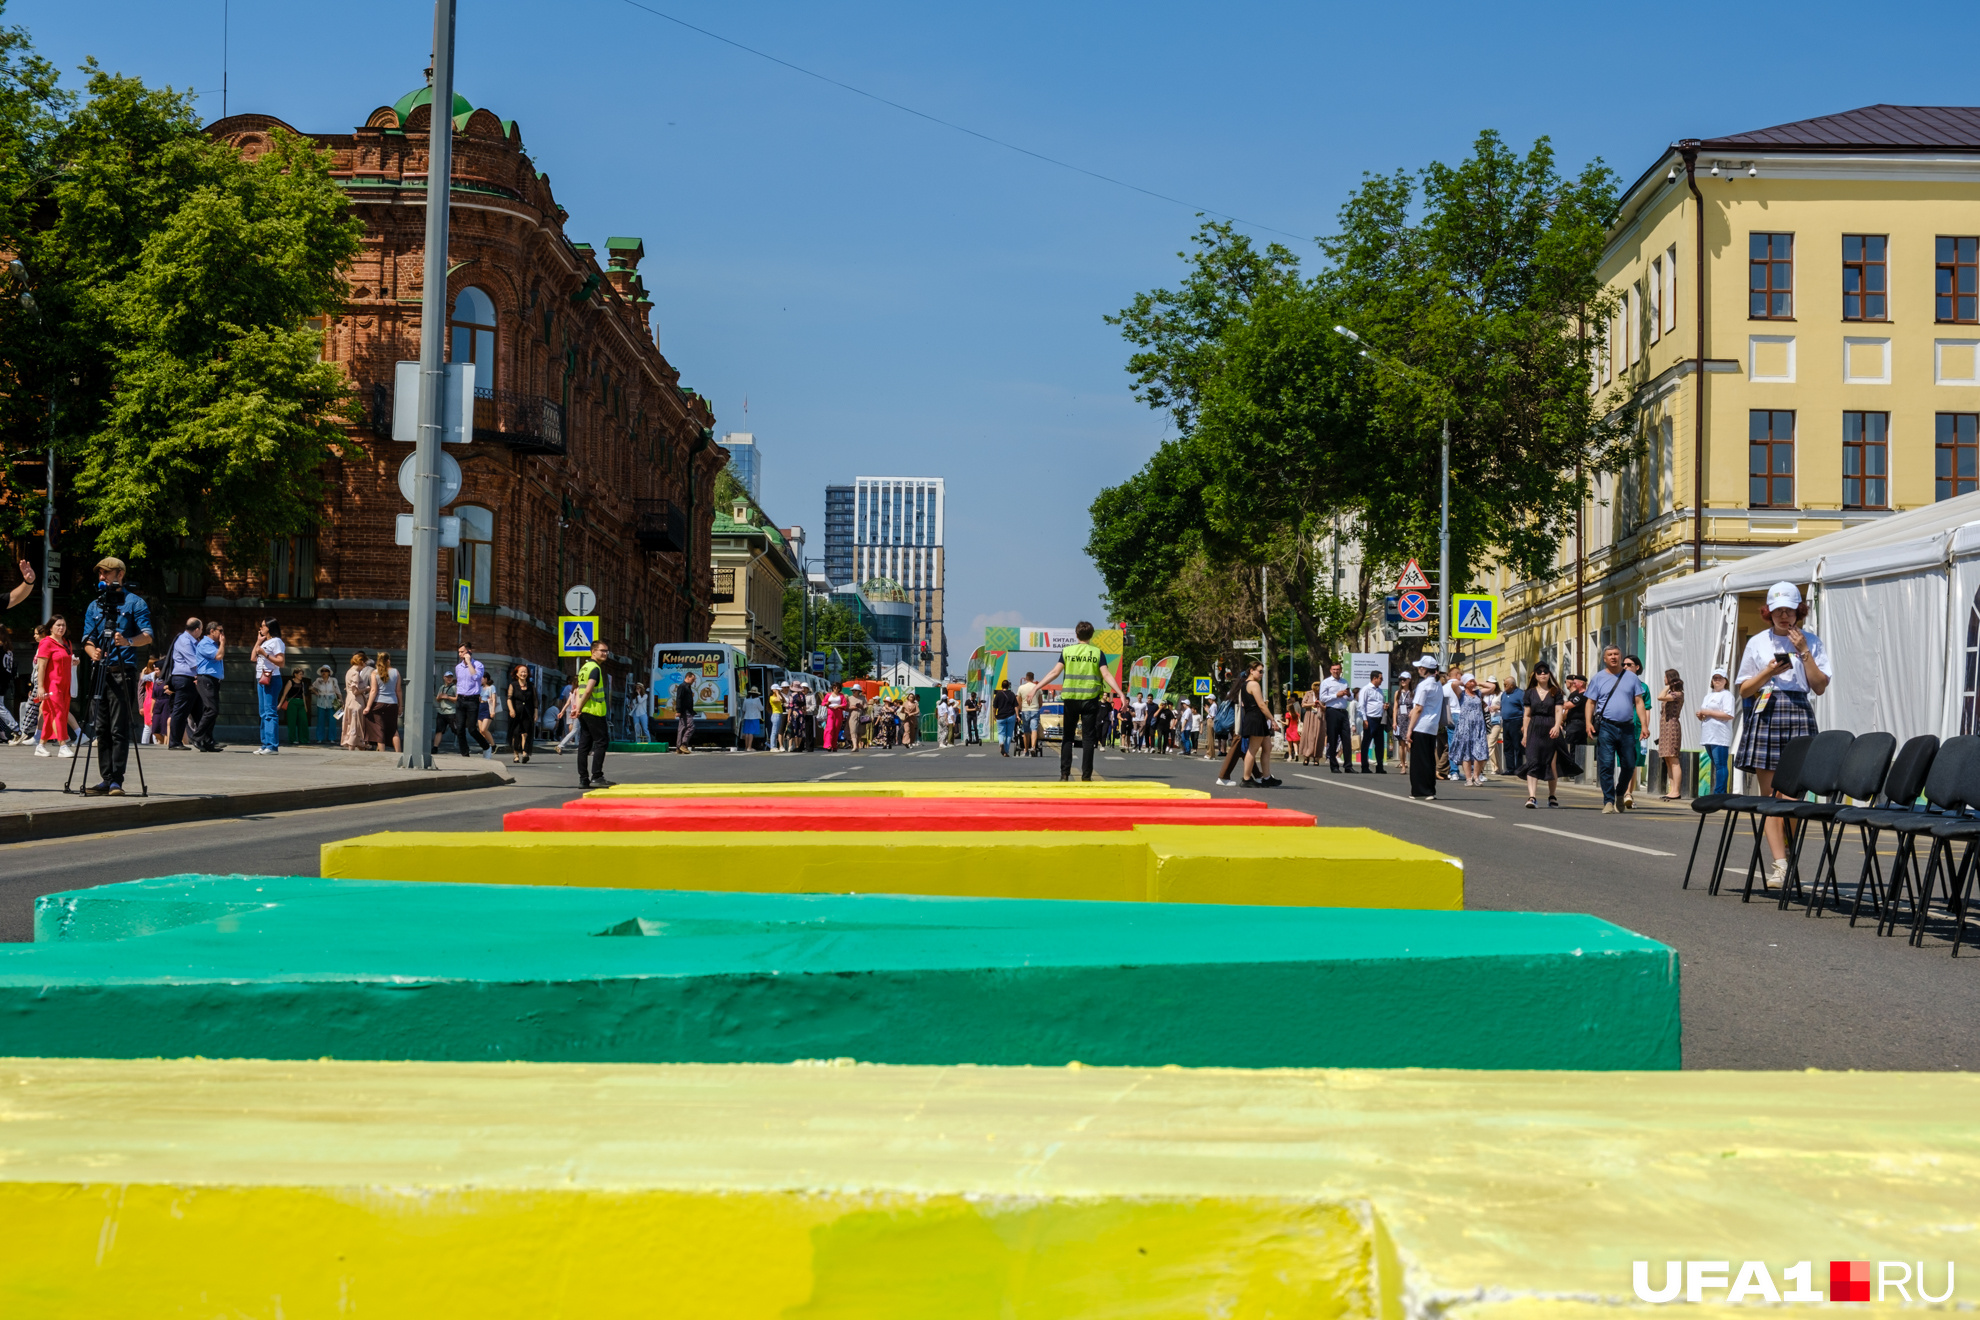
point(287, 968)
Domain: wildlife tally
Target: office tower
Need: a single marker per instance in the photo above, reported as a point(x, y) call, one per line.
point(839, 536)
point(897, 534)
point(746, 461)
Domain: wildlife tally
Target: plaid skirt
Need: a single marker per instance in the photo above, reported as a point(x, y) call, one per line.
point(1763, 736)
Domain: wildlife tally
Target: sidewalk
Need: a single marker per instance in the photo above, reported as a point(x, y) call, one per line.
point(195, 785)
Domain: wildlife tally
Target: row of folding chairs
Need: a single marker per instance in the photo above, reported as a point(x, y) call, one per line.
point(1929, 791)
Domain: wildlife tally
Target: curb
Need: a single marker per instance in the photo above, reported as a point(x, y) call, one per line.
point(137, 813)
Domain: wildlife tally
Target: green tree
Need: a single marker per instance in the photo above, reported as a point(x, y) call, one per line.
point(176, 281)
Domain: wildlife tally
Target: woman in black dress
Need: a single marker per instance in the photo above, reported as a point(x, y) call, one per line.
point(1542, 732)
point(522, 715)
point(1255, 726)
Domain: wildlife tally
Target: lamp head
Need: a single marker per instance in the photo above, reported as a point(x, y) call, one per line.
point(1343, 330)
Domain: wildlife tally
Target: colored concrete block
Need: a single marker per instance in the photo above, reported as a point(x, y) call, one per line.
point(148, 1188)
point(1150, 863)
point(1049, 790)
point(301, 968)
point(855, 815)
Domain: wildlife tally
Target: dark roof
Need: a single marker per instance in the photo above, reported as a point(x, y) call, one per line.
point(1872, 128)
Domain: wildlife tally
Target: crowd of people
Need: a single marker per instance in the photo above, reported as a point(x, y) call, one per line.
point(796, 717)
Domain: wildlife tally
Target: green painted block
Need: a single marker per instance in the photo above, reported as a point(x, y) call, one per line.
point(289, 968)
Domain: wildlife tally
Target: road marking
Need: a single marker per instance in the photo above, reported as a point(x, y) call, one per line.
point(976, 756)
point(1396, 797)
point(1606, 843)
point(822, 778)
point(883, 754)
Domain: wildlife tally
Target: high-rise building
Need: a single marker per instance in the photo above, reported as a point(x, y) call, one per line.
point(839, 536)
point(746, 461)
point(897, 534)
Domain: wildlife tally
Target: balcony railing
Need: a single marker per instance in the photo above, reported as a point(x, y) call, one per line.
point(660, 525)
point(527, 423)
point(725, 586)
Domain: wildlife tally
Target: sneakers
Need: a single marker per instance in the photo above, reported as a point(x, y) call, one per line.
point(601, 783)
point(115, 790)
point(1227, 783)
point(1777, 874)
point(1608, 808)
point(488, 753)
point(264, 751)
point(41, 749)
point(99, 790)
point(66, 752)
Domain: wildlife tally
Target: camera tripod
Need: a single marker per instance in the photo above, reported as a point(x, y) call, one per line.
point(99, 681)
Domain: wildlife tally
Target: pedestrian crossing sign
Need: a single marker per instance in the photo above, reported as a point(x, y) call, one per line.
point(575, 634)
point(1477, 617)
point(1202, 687)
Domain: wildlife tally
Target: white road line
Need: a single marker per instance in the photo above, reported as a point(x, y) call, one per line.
point(883, 755)
point(1396, 797)
point(1606, 843)
point(822, 778)
point(976, 756)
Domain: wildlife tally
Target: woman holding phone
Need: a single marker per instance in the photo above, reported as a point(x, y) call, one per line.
point(1780, 669)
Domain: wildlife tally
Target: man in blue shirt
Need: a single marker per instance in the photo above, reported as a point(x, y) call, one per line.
point(469, 679)
point(1614, 696)
point(210, 654)
point(1512, 740)
point(114, 626)
point(185, 696)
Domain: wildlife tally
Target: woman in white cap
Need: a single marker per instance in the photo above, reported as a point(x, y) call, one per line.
point(1779, 670)
point(1426, 718)
point(1715, 730)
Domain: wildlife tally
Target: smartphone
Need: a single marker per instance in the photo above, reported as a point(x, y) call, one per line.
point(1783, 659)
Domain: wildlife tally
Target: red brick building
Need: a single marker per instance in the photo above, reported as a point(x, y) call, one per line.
point(589, 464)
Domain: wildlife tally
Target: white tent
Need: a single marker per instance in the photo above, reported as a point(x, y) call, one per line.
point(1894, 600)
point(904, 675)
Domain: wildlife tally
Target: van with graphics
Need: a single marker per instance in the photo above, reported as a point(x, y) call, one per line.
point(711, 667)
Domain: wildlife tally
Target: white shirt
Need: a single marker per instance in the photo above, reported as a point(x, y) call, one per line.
point(1374, 701)
point(268, 657)
point(1717, 733)
point(1760, 649)
point(1429, 707)
point(752, 708)
point(1334, 693)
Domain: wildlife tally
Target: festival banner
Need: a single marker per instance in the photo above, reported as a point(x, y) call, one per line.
point(1113, 644)
point(996, 668)
point(1138, 675)
point(973, 674)
point(1000, 639)
point(1158, 678)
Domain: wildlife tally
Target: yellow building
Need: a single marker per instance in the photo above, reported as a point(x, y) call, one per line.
point(1818, 369)
point(753, 561)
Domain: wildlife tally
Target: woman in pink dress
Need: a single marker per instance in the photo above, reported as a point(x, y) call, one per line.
point(835, 712)
point(53, 664)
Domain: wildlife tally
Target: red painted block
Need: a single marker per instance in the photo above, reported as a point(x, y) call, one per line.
point(854, 815)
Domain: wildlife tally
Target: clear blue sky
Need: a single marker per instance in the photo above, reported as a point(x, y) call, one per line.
point(894, 298)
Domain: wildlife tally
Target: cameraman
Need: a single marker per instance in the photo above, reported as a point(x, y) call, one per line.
point(115, 624)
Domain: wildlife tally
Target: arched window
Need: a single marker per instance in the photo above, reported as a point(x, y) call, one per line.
point(471, 330)
point(475, 560)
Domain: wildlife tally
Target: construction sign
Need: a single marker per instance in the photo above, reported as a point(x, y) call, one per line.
point(1475, 617)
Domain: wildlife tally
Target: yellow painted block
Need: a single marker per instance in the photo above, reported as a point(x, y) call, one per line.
point(1344, 867)
point(528, 1190)
point(1138, 789)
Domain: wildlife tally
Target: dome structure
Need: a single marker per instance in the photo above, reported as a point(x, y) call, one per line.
point(882, 588)
point(419, 96)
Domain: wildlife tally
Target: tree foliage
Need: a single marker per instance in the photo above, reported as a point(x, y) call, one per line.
point(1474, 288)
point(174, 284)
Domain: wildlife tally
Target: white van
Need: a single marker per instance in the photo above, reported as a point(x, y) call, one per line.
point(712, 668)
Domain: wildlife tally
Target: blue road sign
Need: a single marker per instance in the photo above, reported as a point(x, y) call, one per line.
point(1414, 606)
point(575, 634)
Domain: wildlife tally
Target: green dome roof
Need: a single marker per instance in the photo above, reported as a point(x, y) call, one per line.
point(424, 96)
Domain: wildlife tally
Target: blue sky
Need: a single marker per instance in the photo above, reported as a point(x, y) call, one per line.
point(894, 298)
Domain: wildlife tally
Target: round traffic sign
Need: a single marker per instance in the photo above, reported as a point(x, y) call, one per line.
point(1414, 606)
point(579, 600)
point(448, 470)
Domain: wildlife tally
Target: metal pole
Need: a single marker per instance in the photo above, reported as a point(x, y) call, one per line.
point(1444, 561)
point(48, 522)
point(417, 711)
point(1265, 633)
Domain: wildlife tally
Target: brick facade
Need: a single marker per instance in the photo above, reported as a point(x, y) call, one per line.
point(592, 463)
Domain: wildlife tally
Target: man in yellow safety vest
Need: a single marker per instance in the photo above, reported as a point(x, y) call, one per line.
point(1085, 666)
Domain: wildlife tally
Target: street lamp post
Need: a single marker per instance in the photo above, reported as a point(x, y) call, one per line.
point(1444, 520)
point(19, 272)
point(417, 709)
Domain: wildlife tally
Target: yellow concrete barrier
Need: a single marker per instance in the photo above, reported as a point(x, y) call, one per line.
point(543, 1191)
point(1335, 867)
point(1138, 789)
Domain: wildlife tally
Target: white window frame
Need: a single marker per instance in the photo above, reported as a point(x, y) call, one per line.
point(1671, 288)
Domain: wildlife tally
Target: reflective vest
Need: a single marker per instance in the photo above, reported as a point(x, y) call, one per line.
point(1082, 661)
point(590, 672)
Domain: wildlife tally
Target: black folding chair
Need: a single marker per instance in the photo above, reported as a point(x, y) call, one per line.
point(1821, 773)
point(1902, 785)
point(1787, 779)
point(1946, 835)
point(1707, 804)
point(1864, 771)
point(1945, 794)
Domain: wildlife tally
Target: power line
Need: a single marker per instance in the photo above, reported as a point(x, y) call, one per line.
point(960, 128)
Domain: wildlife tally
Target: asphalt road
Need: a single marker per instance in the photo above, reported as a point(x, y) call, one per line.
point(1762, 988)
